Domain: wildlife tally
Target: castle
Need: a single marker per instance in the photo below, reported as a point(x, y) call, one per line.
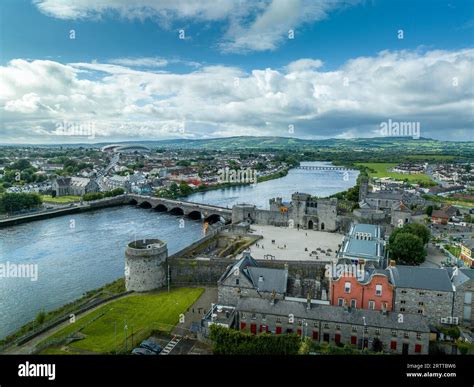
point(304, 211)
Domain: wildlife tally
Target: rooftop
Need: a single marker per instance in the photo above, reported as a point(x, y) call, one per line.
point(415, 277)
point(334, 314)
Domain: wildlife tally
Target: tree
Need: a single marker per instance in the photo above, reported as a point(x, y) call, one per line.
point(407, 248)
point(417, 229)
point(377, 345)
point(429, 210)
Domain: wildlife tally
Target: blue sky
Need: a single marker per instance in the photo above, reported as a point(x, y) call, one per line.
point(290, 81)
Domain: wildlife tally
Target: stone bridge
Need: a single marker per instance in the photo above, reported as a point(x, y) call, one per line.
point(192, 210)
point(325, 168)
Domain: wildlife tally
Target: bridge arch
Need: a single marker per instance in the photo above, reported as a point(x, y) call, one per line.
point(145, 204)
point(176, 211)
point(214, 218)
point(161, 208)
point(133, 202)
point(195, 215)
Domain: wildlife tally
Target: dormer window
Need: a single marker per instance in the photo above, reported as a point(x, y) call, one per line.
point(347, 287)
point(378, 290)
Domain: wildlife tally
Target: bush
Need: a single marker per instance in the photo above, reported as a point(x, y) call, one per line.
point(232, 342)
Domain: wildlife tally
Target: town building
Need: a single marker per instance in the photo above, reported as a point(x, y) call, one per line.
point(443, 215)
point(246, 279)
point(374, 291)
point(424, 291)
point(463, 310)
point(77, 186)
point(364, 244)
point(335, 325)
point(467, 256)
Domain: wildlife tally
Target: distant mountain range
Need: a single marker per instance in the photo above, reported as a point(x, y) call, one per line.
point(421, 145)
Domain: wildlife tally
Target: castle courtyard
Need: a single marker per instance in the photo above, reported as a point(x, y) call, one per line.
point(283, 243)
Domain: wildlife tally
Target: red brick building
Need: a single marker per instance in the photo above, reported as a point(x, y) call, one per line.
point(374, 292)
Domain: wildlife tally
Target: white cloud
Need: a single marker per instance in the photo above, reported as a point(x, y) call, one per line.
point(252, 25)
point(433, 88)
point(140, 62)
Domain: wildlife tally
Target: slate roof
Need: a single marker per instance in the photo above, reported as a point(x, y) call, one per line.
point(415, 277)
point(464, 275)
point(336, 314)
point(272, 279)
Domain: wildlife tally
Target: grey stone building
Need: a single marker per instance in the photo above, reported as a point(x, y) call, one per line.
point(78, 186)
point(246, 279)
point(408, 334)
point(424, 291)
point(463, 310)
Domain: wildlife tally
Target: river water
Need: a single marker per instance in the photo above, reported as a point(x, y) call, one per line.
point(80, 252)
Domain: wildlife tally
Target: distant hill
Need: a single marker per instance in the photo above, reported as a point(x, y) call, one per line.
point(401, 145)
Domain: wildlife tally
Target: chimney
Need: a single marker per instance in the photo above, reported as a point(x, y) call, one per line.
point(272, 300)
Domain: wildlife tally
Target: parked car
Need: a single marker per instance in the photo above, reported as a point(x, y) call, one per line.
point(151, 346)
point(143, 351)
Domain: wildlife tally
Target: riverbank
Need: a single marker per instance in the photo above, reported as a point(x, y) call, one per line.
point(71, 209)
point(45, 321)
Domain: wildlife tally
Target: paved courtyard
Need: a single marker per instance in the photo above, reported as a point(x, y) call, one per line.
point(294, 244)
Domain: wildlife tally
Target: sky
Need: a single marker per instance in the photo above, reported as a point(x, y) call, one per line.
point(116, 70)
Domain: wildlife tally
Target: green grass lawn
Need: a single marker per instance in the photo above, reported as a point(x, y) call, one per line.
point(60, 199)
point(382, 170)
point(143, 314)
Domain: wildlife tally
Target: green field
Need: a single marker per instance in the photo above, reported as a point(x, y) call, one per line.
point(382, 170)
point(143, 313)
point(60, 199)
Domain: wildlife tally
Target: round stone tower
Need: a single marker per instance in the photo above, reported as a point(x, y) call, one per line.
point(145, 265)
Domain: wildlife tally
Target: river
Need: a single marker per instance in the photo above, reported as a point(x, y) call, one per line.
point(80, 252)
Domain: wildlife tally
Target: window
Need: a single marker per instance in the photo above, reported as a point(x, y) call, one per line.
point(264, 318)
point(402, 309)
point(372, 305)
point(242, 316)
point(366, 330)
point(353, 303)
point(347, 287)
point(377, 331)
point(394, 333)
point(418, 336)
point(406, 335)
point(340, 302)
point(440, 294)
point(338, 326)
point(420, 311)
point(326, 326)
point(403, 302)
point(354, 328)
point(254, 316)
point(404, 292)
point(378, 290)
point(278, 320)
point(236, 281)
point(421, 293)
point(420, 303)
point(300, 322)
point(315, 324)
